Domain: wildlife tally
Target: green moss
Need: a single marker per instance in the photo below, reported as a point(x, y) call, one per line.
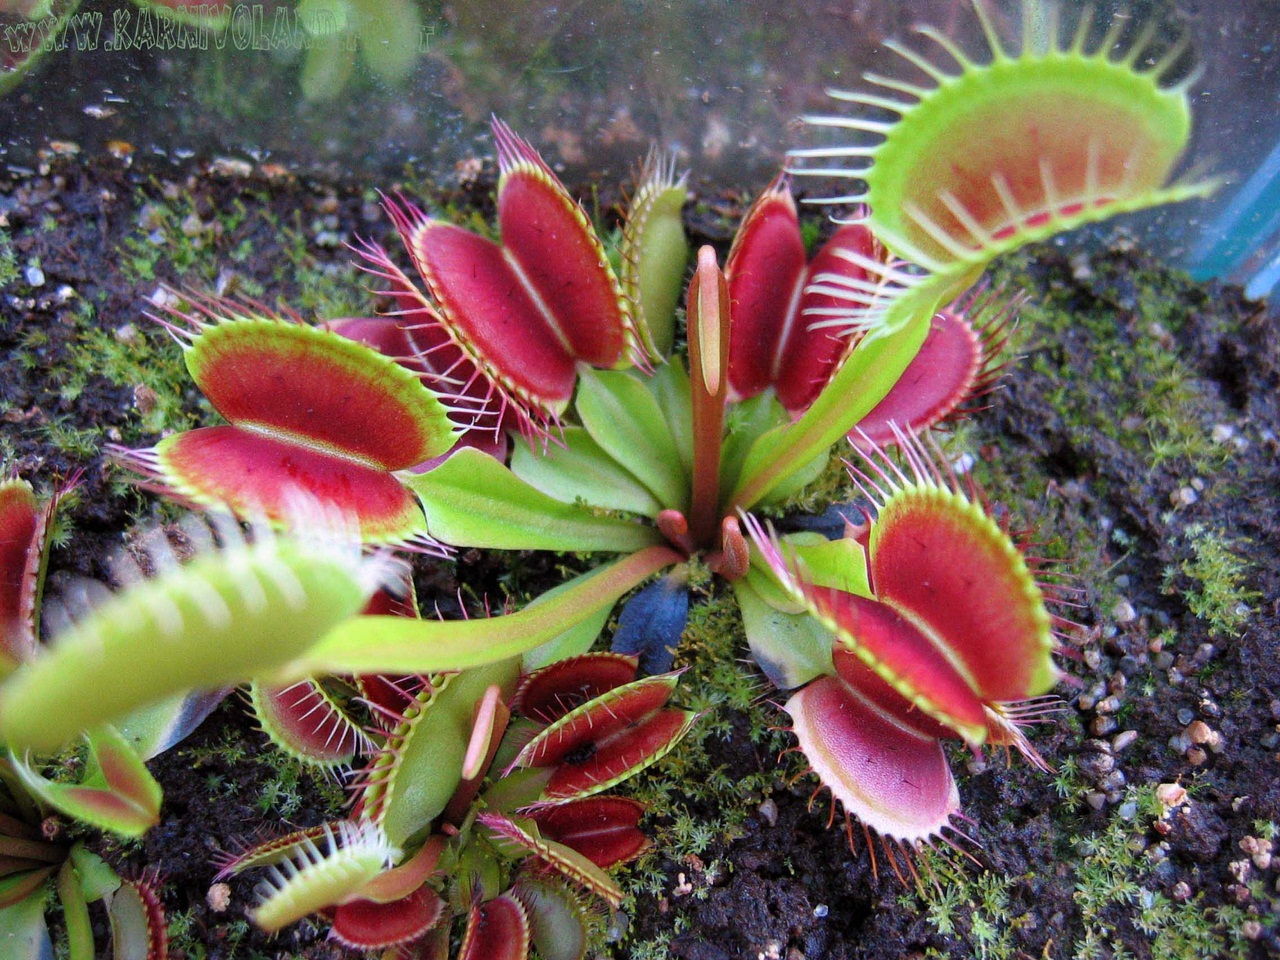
point(695, 807)
point(1111, 889)
point(973, 909)
point(142, 359)
point(1138, 392)
point(173, 236)
point(1211, 582)
point(8, 261)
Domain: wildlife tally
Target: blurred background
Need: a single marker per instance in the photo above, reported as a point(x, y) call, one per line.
point(359, 89)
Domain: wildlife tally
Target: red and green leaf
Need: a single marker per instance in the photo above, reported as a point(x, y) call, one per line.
point(308, 723)
point(497, 929)
point(117, 793)
point(604, 829)
point(1026, 141)
point(892, 778)
point(368, 925)
point(548, 694)
point(943, 561)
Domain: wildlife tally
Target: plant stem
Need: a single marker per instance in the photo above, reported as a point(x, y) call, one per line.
point(708, 313)
point(378, 644)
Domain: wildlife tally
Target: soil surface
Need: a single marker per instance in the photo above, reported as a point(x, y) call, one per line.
point(1172, 674)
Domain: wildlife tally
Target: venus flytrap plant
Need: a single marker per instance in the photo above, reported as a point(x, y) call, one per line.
point(934, 625)
point(485, 802)
point(114, 792)
point(799, 355)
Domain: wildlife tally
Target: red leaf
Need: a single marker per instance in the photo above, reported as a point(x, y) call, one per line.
point(960, 576)
point(487, 306)
point(496, 930)
point(304, 720)
point(253, 473)
point(764, 271)
point(366, 925)
point(938, 380)
point(910, 659)
point(809, 355)
point(310, 383)
point(548, 694)
point(559, 256)
point(21, 538)
point(591, 724)
point(611, 761)
point(603, 829)
point(893, 779)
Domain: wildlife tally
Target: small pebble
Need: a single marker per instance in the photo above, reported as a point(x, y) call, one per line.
point(821, 910)
point(1095, 766)
point(1196, 757)
point(1095, 799)
point(1108, 705)
point(34, 275)
point(769, 812)
point(1113, 781)
point(1204, 653)
point(192, 225)
point(227, 167)
point(1182, 890)
point(1222, 432)
point(1123, 612)
point(1103, 725)
point(1183, 497)
point(1171, 795)
point(1092, 658)
point(1128, 810)
point(1252, 929)
point(1199, 732)
point(219, 897)
point(1162, 660)
point(1186, 715)
point(1123, 740)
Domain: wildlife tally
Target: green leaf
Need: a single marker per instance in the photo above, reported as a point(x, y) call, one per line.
point(23, 933)
point(670, 387)
point(97, 879)
point(580, 470)
point(225, 617)
point(745, 423)
point(116, 794)
point(790, 648)
point(472, 500)
point(410, 784)
point(75, 913)
point(155, 728)
point(838, 564)
point(654, 254)
point(400, 645)
point(625, 419)
point(132, 935)
point(572, 642)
